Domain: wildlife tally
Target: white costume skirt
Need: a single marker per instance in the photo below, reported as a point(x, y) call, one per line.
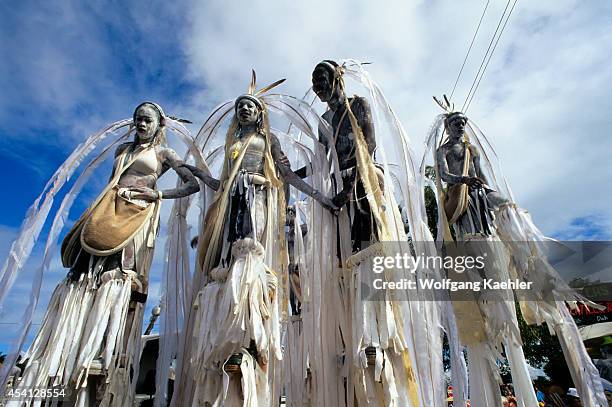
point(91, 328)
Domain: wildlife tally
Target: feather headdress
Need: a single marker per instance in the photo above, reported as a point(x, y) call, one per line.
point(252, 92)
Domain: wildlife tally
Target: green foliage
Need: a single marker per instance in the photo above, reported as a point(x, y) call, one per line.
point(543, 350)
point(431, 208)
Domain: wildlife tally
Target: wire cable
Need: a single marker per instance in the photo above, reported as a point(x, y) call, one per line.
point(469, 49)
point(486, 54)
point(490, 55)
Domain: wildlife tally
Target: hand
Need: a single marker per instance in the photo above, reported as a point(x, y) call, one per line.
point(473, 182)
point(329, 205)
point(341, 199)
point(144, 193)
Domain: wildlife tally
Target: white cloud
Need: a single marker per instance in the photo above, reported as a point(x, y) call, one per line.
point(543, 101)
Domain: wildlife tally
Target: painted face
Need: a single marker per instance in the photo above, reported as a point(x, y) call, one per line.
point(322, 84)
point(456, 126)
point(146, 121)
point(247, 111)
point(290, 215)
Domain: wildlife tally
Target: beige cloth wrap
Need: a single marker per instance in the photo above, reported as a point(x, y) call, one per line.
point(470, 323)
point(454, 201)
point(456, 197)
point(110, 223)
point(369, 177)
point(113, 224)
point(210, 242)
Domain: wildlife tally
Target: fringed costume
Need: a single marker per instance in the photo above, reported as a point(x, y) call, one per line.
point(89, 341)
point(232, 341)
point(359, 350)
point(482, 218)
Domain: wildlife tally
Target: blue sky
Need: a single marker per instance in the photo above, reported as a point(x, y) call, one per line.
point(69, 67)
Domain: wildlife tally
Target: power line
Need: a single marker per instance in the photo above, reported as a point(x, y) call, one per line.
point(490, 55)
point(486, 55)
point(469, 49)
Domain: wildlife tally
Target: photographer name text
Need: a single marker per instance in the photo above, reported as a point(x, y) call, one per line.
point(451, 285)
